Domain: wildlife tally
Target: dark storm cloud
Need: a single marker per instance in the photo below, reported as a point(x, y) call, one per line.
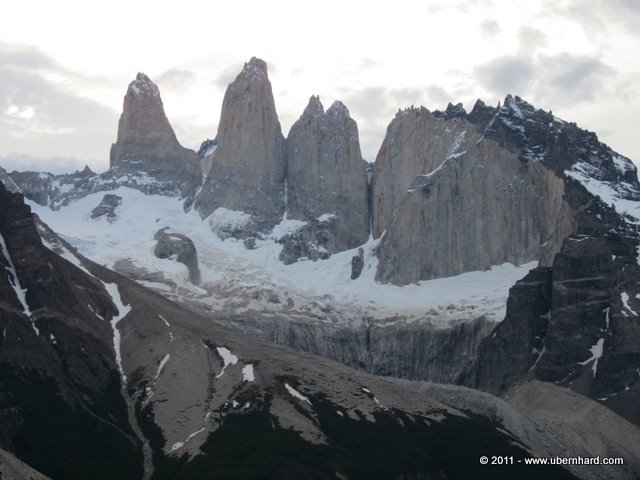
point(506, 74)
point(175, 79)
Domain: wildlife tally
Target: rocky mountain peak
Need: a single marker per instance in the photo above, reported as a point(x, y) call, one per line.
point(338, 109)
point(327, 183)
point(146, 143)
point(314, 107)
point(143, 86)
point(248, 167)
point(256, 68)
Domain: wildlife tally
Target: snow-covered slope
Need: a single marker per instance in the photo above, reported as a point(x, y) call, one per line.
point(127, 244)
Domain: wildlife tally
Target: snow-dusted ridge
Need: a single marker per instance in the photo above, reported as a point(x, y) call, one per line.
point(611, 193)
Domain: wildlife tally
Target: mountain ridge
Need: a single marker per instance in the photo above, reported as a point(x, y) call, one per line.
point(457, 201)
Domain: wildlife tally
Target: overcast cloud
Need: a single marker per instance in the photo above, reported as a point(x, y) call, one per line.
point(62, 82)
point(39, 117)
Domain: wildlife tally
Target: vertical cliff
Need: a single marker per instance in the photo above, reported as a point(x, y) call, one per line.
point(470, 203)
point(326, 175)
point(249, 165)
point(146, 142)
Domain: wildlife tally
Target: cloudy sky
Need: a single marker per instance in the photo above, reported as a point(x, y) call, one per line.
point(65, 65)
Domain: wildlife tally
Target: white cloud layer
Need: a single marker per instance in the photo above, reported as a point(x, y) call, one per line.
point(63, 76)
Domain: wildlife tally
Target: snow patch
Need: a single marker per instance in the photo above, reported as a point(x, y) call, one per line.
point(227, 261)
point(285, 227)
point(325, 217)
point(171, 338)
point(164, 320)
point(625, 301)
point(622, 164)
point(163, 362)
point(596, 352)
point(123, 310)
point(21, 293)
point(296, 394)
point(225, 219)
point(228, 358)
point(610, 193)
point(247, 373)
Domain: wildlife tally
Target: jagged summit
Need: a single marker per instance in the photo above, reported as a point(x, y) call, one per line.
point(326, 179)
point(143, 85)
point(314, 107)
point(256, 68)
point(146, 143)
point(249, 166)
point(338, 109)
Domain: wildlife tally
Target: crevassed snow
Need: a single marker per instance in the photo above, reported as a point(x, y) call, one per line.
point(228, 219)
point(247, 373)
point(294, 393)
point(131, 236)
point(21, 293)
point(227, 357)
point(123, 310)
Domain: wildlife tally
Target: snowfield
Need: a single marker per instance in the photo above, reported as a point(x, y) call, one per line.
point(226, 262)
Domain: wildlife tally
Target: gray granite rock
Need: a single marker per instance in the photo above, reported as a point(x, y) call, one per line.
point(147, 143)
point(107, 207)
point(248, 166)
point(326, 175)
point(180, 248)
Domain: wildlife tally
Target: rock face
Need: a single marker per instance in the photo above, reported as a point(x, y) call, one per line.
point(294, 413)
point(357, 264)
point(8, 181)
point(326, 174)
point(416, 143)
point(180, 248)
point(58, 377)
point(474, 204)
point(574, 324)
point(147, 143)
point(107, 207)
point(314, 241)
point(145, 157)
point(205, 154)
point(248, 166)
